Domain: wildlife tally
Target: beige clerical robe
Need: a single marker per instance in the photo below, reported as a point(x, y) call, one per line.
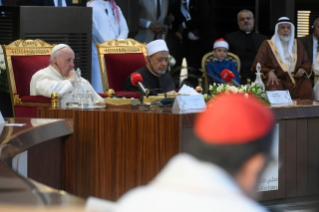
point(49, 80)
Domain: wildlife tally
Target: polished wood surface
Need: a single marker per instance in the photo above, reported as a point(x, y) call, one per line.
point(119, 149)
point(45, 140)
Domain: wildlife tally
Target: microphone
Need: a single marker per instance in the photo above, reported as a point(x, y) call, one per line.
point(137, 81)
point(229, 76)
point(211, 76)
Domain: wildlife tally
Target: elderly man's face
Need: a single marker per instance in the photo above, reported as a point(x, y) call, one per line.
point(245, 21)
point(159, 61)
point(284, 31)
point(65, 61)
point(316, 30)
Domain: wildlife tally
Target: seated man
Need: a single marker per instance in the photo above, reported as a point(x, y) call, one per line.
point(284, 62)
point(221, 170)
point(153, 73)
point(60, 77)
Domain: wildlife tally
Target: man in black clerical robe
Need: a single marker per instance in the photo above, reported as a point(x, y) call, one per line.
point(245, 43)
point(153, 73)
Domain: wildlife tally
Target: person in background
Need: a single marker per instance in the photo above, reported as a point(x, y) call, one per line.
point(152, 14)
point(56, 3)
point(220, 170)
point(284, 62)
point(215, 68)
point(108, 23)
point(245, 44)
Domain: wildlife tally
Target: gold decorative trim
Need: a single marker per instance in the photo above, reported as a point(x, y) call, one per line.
point(23, 48)
point(205, 70)
point(113, 46)
point(55, 103)
point(280, 60)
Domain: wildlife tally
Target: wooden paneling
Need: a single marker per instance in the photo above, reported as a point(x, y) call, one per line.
point(301, 160)
point(117, 150)
point(312, 156)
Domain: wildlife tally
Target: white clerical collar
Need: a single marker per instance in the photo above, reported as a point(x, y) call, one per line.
point(248, 33)
point(56, 72)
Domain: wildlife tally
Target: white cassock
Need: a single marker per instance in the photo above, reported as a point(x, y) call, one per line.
point(187, 184)
point(105, 27)
point(49, 80)
point(315, 68)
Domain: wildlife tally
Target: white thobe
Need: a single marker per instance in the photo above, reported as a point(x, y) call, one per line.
point(49, 80)
point(187, 184)
point(105, 27)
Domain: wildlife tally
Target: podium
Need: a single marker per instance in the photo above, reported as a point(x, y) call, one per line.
point(68, 25)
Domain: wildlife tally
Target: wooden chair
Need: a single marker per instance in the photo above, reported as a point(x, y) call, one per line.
point(210, 57)
point(23, 58)
point(118, 59)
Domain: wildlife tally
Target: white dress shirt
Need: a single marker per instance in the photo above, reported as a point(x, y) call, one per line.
point(315, 46)
point(63, 3)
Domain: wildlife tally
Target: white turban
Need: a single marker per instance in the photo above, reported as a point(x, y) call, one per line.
point(276, 38)
point(156, 46)
point(58, 47)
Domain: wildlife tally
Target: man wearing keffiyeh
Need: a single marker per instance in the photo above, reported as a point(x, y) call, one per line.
point(284, 62)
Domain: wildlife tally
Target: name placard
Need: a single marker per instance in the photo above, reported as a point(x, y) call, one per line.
point(279, 97)
point(189, 102)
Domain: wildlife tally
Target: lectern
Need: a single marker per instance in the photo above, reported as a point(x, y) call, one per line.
point(69, 25)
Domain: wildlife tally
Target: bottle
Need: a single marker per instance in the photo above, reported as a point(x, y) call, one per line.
point(258, 80)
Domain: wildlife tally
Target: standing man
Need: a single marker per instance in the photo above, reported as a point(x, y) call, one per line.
point(56, 3)
point(152, 14)
point(108, 23)
point(245, 44)
point(193, 32)
point(310, 42)
point(284, 62)
point(220, 170)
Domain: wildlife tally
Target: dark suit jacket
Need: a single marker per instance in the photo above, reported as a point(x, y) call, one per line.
point(307, 42)
point(236, 41)
point(47, 2)
point(200, 11)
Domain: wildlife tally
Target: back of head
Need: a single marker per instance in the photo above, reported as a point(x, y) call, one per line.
point(232, 130)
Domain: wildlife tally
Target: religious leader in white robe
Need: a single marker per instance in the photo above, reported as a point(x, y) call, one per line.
point(187, 184)
point(49, 80)
point(108, 23)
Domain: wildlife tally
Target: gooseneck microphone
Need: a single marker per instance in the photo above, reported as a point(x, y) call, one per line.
point(229, 76)
point(137, 81)
point(211, 76)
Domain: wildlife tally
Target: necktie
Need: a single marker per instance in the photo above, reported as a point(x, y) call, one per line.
point(59, 3)
point(158, 9)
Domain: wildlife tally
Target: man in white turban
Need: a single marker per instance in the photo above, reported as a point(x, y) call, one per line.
point(284, 62)
point(153, 73)
point(60, 77)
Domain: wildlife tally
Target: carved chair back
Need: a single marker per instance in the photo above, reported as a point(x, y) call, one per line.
point(118, 59)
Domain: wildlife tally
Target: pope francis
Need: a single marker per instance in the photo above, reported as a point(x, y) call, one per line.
point(59, 76)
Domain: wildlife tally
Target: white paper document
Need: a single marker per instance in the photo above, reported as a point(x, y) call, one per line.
point(186, 90)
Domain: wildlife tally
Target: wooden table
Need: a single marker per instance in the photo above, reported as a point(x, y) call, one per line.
point(45, 140)
point(116, 150)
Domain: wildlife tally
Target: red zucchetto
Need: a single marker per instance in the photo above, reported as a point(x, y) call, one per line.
point(234, 119)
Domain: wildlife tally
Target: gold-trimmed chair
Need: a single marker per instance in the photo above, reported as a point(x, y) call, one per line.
point(118, 59)
point(23, 58)
point(210, 57)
